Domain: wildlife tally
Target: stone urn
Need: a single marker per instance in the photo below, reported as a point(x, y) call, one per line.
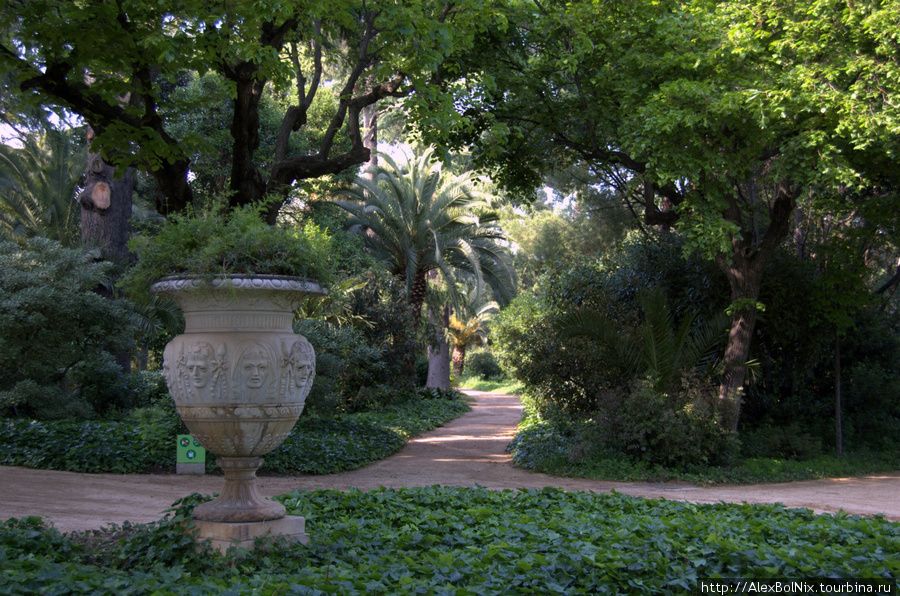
point(239, 377)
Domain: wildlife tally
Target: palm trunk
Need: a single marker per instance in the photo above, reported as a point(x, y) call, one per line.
point(439, 355)
point(459, 359)
point(417, 296)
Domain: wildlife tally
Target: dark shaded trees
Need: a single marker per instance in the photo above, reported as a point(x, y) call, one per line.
point(111, 62)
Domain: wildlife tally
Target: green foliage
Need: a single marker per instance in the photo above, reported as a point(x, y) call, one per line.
point(465, 541)
point(788, 442)
point(145, 440)
point(508, 386)
point(656, 349)
point(484, 365)
point(679, 428)
point(368, 362)
point(58, 333)
point(584, 219)
point(796, 386)
point(345, 363)
point(212, 244)
point(390, 329)
point(562, 382)
point(417, 220)
point(38, 183)
point(287, 81)
point(566, 375)
point(576, 449)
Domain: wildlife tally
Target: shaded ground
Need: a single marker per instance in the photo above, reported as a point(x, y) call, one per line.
point(466, 452)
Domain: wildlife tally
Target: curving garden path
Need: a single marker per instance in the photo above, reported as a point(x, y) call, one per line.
point(468, 451)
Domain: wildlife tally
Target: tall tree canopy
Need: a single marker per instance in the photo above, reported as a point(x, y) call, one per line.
point(715, 117)
point(114, 63)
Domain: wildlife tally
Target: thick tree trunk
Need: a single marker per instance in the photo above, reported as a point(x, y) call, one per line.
point(744, 272)
point(417, 296)
point(439, 355)
point(106, 219)
point(106, 209)
point(459, 359)
point(737, 351)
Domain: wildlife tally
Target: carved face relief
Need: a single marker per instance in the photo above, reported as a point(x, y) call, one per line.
point(254, 367)
point(298, 369)
point(302, 365)
point(199, 364)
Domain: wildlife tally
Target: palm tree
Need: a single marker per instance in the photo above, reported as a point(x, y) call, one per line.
point(419, 221)
point(659, 349)
point(469, 332)
point(38, 183)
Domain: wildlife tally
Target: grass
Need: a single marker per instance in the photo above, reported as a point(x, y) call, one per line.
point(464, 541)
point(506, 386)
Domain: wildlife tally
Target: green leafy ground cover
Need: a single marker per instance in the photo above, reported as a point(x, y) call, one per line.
point(462, 541)
point(566, 449)
point(146, 441)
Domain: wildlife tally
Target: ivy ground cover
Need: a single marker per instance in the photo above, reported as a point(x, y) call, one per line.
point(463, 541)
point(140, 444)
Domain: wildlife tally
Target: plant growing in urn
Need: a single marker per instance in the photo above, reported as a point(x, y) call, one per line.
point(238, 373)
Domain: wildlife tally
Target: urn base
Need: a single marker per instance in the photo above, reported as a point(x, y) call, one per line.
point(239, 501)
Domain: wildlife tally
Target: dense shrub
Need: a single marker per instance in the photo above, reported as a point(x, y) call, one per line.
point(383, 303)
point(678, 428)
point(798, 392)
point(484, 365)
point(563, 380)
point(239, 243)
point(567, 376)
point(58, 334)
point(790, 441)
point(675, 429)
point(344, 364)
point(368, 361)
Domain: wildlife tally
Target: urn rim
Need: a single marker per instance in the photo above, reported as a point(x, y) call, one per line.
point(234, 281)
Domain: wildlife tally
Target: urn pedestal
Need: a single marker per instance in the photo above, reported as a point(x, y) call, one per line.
point(239, 377)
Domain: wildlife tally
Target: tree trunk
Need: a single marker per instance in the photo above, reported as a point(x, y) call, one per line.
point(439, 355)
point(744, 275)
point(838, 422)
point(106, 209)
point(417, 296)
point(737, 351)
point(370, 139)
point(459, 359)
point(106, 219)
point(744, 272)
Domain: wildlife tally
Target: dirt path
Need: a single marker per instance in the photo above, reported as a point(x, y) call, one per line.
point(466, 452)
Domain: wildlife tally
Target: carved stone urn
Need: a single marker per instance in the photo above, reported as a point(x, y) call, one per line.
point(239, 377)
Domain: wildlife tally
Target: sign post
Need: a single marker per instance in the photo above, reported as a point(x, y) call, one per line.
point(190, 456)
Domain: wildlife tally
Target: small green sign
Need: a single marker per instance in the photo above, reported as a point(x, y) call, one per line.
point(189, 451)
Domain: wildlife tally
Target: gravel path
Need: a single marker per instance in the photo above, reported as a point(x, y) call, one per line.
point(468, 451)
